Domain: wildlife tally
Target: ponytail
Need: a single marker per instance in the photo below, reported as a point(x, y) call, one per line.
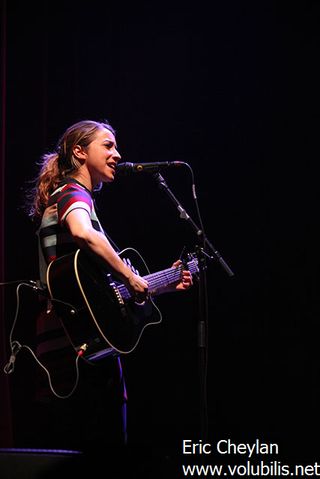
point(46, 182)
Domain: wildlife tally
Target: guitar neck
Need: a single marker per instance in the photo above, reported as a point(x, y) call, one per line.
point(159, 280)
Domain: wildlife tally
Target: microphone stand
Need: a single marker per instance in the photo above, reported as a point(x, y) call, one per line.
point(202, 330)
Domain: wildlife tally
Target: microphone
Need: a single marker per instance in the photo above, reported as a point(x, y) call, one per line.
point(147, 167)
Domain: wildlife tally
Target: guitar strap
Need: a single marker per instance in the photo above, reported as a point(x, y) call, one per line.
point(112, 242)
point(42, 262)
point(115, 246)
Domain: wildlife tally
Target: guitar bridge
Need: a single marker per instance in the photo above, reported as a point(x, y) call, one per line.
point(115, 290)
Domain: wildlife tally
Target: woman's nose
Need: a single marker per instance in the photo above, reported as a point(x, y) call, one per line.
point(116, 155)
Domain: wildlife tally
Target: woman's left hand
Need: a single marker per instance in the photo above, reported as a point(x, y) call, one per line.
point(186, 278)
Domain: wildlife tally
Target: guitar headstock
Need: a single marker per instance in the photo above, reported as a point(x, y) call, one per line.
point(191, 263)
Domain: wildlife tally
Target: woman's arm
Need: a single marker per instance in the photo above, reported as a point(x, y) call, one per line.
point(86, 237)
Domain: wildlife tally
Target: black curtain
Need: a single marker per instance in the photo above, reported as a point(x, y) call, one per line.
point(232, 89)
point(5, 415)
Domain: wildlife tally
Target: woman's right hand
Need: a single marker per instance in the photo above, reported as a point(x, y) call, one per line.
point(138, 287)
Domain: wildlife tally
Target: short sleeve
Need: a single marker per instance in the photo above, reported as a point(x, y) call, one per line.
point(72, 197)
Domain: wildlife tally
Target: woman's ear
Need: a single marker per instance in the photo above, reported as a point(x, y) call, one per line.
point(79, 152)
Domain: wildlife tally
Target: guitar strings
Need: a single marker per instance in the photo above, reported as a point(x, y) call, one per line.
point(172, 274)
point(157, 279)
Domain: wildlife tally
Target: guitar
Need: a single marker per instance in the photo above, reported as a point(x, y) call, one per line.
point(98, 314)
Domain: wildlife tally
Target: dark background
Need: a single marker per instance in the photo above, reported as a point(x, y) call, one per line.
point(232, 89)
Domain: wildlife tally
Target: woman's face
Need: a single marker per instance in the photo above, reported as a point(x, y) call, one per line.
point(101, 157)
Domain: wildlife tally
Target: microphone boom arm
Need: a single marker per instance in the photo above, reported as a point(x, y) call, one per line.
point(200, 234)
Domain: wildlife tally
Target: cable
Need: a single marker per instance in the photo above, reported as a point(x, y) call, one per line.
point(19, 281)
point(16, 346)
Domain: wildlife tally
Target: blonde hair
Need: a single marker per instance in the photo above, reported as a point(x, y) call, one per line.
point(57, 165)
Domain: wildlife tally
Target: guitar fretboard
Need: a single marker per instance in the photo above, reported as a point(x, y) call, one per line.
point(161, 279)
